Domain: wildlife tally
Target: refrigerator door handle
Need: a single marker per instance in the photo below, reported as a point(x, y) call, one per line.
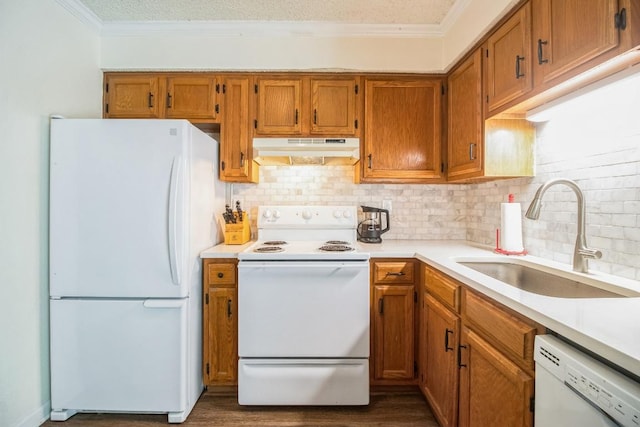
point(164, 303)
point(174, 187)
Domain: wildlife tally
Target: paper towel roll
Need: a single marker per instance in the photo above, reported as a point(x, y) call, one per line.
point(511, 227)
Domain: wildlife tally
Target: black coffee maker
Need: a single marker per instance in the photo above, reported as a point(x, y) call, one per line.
point(370, 229)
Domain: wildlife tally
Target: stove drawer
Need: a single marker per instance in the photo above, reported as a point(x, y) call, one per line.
point(303, 382)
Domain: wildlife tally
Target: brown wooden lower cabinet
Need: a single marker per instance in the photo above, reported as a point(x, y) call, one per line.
point(493, 390)
point(439, 346)
point(220, 323)
point(393, 321)
point(476, 357)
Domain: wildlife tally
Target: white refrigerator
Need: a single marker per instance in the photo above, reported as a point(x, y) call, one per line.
point(132, 204)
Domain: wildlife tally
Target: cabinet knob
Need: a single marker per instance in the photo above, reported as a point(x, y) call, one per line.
point(220, 275)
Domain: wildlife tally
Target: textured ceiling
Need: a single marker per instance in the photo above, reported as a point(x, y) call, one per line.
point(347, 11)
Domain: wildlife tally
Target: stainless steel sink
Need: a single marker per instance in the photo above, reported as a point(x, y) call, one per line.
point(543, 283)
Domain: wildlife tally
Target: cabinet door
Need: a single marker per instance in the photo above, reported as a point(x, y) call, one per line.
point(279, 106)
point(236, 162)
point(128, 96)
point(191, 98)
point(403, 130)
point(509, 60)
point(393, 330)
point(333, 106)
point(572, 32)
point(440, 373)
point(221, 336)
point(465, 133)
point(493, 390)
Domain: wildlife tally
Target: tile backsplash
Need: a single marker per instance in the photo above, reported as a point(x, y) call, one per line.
point(599, 149)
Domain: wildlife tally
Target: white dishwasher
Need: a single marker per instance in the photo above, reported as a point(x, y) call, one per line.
point(575, 390)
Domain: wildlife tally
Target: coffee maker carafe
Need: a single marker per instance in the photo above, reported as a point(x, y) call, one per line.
point(370, 229)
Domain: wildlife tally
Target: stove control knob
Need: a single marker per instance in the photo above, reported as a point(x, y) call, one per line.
point(346, 214)
point(276, 214)
point(306, 214)
point(267, 213)
point(337, 214)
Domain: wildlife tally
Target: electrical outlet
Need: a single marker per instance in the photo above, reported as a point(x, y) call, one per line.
point(386, 204)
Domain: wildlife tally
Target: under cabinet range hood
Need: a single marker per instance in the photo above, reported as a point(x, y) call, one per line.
point(306, 151)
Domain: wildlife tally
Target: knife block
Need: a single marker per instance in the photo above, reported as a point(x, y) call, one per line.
point(238, 233)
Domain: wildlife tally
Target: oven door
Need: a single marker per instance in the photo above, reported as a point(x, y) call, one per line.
point(303, 309)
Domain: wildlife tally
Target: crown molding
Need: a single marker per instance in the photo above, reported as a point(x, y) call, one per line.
point(453, 15)
point(253, 28)
point(83, 13)
point(268, 28)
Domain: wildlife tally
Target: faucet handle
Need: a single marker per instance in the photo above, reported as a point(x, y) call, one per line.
point(590, 253)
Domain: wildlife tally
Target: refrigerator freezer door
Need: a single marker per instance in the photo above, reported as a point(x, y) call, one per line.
point(119, 217)
point(119, 355)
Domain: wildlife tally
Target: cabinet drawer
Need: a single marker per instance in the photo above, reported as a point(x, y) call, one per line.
point(443, 288)
point(393, 271)
point(506, 331)
point(221, 274)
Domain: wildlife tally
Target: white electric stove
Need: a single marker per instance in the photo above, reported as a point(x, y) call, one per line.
point(303, 309)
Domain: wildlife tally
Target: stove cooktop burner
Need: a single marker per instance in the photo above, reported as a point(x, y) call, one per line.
point(269, 249)
point(337, 242)
point(274, 243)
point(332, 247)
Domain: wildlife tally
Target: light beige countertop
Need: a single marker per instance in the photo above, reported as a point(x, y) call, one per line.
point(609, 327)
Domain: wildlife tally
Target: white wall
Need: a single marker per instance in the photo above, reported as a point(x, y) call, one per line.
point(264, 46)
point(49, 63)
point(269, 52)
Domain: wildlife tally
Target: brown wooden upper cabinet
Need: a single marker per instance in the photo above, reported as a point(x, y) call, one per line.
point(192, 97)
point(509, 60)
point(403, 126)
point(156, 96)
point(132, 96)
point(279, 105)
point(236, 153)
point(465, 119)
point(304, 105)
point(570, 33)
point(334, 108)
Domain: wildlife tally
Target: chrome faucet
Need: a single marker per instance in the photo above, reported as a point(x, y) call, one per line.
point(582, 253)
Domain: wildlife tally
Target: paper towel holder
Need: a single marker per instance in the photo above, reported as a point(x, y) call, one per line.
point(499, 250)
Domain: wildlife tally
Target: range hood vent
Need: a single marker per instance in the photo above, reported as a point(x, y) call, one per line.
point(306, 151)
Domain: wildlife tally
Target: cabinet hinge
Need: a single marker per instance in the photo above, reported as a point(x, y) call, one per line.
point(206, 298)
point(106, 108)
point(217, 108)
point(255, 88)
point(442, 167)
point(255, 124)
point(106, 88)
point(217, 87)
point(415, 369)
point(532, 404)
point(415, 296)
point(357, 88)
point(621, 19)
point(356, 123)
point(487, 99)
point(222, 165)
point(207, 368)
point(487, 53)
point(443, 89)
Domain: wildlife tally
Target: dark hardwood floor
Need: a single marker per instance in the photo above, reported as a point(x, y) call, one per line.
point(405, 408)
